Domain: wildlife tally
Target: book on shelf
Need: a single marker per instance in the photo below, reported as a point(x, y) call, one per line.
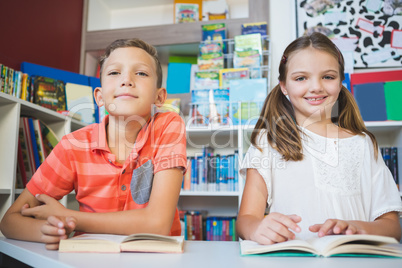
point(209, 106)
point(225, 75)
point(24, 121)
point(49, 93)
point(39, 140)
point(254, 27)
point(206, 80)
point(248, 53)
point(210, 56)
point(49, 138)
point(21, 179)
point(187, 11)
point(23, 143)
point(248, 111)
point(108, 243)
point(213, 172)
point(79, 99)
point(390, 157)
point(331, 245)
point(216, 33)
point(34, 145)
point(215, 10)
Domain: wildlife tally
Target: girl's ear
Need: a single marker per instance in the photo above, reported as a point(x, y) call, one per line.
point(283, 88)
point(98, 96)
point(161, 96)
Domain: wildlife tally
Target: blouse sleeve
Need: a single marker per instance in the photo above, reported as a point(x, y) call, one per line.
point(385, 196)
point(259, 159)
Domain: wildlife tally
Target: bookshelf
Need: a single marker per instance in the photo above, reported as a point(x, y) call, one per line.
point(11, 109)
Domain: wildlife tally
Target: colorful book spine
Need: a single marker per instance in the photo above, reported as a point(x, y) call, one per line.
point(34, 144)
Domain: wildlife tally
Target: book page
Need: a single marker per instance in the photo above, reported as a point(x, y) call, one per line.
point(108, 237)
point(251, 247)
point(327, 243)
point(145, 236)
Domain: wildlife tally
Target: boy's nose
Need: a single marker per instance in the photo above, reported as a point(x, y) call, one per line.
point(127, 82)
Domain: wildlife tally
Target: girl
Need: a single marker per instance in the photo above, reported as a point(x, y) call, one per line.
point(312, 160)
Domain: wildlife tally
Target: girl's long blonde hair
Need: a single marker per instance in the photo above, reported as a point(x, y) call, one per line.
point(278, 118)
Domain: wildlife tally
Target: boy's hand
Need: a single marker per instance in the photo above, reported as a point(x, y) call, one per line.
point(334, 227)
point(56, 229)
point(49, 207)
point(275, 227)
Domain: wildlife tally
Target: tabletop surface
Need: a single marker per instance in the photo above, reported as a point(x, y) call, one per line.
point(202, 254)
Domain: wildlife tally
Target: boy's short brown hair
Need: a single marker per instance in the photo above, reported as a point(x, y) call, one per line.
point(134, 42)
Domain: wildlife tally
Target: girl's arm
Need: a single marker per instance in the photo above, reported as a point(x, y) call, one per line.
point(251, 223)
point(157, 217)
point(387, 225)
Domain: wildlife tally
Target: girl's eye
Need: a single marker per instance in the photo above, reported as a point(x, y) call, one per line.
point(300, 78)
point(327, 77)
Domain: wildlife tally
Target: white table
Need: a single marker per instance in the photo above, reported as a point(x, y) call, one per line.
point(197, 254)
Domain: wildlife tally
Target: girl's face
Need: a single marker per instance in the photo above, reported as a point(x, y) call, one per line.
point(312, 84)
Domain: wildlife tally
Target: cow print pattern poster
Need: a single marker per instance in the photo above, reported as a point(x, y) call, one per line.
point(368, 32)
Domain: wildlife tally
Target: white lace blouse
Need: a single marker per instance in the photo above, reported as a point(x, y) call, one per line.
point(337, 178)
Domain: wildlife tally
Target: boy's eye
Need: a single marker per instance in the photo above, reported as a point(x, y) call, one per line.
point(142, 74)
point(113, 73)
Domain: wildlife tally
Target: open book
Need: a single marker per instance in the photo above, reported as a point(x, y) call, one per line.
point(328, 246)
point(120, 243)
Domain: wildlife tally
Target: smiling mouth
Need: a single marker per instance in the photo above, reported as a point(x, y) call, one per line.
point(315, 99)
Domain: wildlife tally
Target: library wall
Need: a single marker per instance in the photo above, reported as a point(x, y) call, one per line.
point(45, 32)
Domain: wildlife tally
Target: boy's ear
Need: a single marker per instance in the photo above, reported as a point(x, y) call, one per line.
point(161, 96)
point(98, 96)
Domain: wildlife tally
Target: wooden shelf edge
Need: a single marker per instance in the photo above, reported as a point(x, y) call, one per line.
point(160, 35)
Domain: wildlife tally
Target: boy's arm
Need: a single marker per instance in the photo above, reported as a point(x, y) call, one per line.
point(157, 217)
point(14, 225)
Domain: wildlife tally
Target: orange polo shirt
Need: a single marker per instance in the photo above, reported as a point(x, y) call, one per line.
point(82, 161)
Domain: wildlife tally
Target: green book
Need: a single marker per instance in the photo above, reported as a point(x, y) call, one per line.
point(393, 99)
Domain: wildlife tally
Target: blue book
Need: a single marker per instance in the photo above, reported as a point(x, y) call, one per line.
point(371, 101)
point(34, 143)
point(247, 94)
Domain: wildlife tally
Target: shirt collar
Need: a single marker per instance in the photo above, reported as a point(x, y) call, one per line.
point(99, 140)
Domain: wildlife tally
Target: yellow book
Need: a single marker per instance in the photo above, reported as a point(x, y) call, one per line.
point(108, 243)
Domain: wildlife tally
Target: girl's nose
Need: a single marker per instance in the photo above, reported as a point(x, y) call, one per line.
point(316, 85)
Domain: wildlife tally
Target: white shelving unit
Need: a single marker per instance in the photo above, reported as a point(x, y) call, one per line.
point(11, 109)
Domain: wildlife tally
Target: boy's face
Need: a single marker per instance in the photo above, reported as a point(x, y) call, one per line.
point(129, 84)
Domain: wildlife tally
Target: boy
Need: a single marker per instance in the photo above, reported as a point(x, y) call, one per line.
point(112, 166)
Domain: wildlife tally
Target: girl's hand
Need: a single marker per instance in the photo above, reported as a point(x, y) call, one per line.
point(335, 226)
point(56, 229)
point(275, 227)
point(49, 207)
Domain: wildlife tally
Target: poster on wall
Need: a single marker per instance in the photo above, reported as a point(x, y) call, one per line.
point(368, 32)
